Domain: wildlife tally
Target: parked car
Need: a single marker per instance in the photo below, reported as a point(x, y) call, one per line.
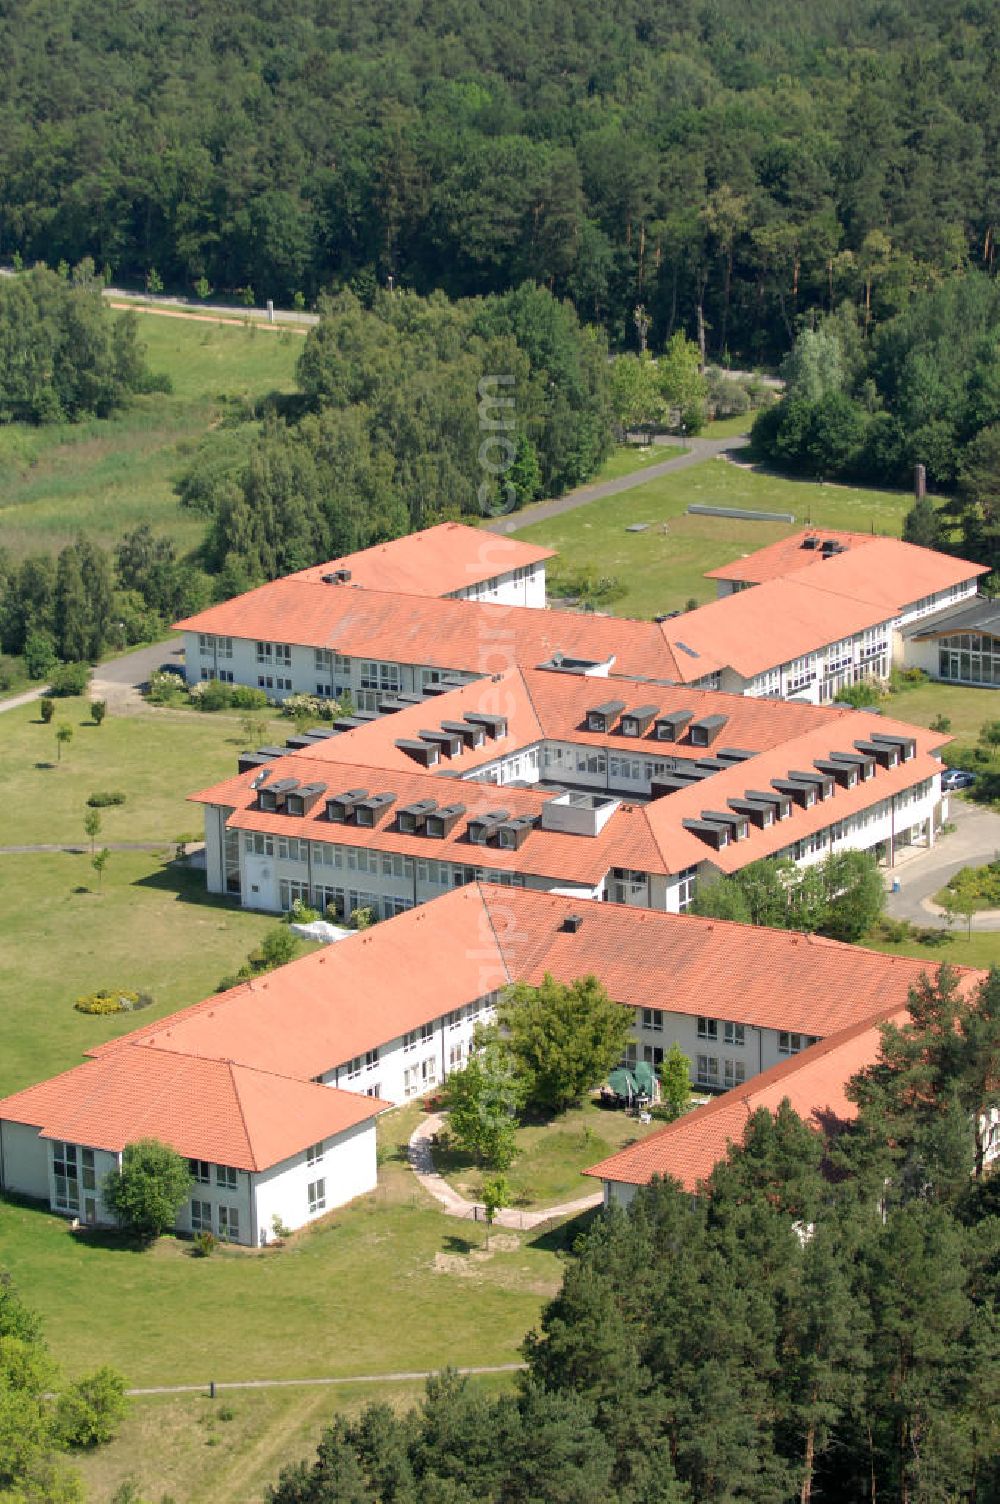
point(955, 779)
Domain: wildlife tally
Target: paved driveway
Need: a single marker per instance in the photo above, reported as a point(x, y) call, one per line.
point(973, 844)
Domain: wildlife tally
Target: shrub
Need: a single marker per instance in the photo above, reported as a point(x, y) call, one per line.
point(205, 1244)
point(47, 708)
point(6, 673)
point(212, 695)
point(279, 1228)
point(301, 913)
point(112, 1000)
point(941, 723)
point(311, 706)
point(89, 1411)
point(166, 689)
point(246, 697)
point(860, 695)
point(69, 679)
point(104, 799)
point(98, 710)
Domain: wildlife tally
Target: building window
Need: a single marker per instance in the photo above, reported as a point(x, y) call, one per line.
point(456, 1055)
point(708, 1028)
point(229, 1223)
point(707, 1070)
point(89, 1178)
point(734, 1073)
point(652, 1019)
point(66, 1171)
point(201, 1171)
point(687, 883)
point(734, 1033)
point(289, 892)
point(314, 1153)
point(791, 1044)
point(201, 1216)
point(227, 1177)
point(371, 1058)
point(317, 1196)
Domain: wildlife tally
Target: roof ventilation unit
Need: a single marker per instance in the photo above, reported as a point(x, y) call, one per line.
point(811, 541)
point(337, 577)
point(512, 834)
point(572, 924)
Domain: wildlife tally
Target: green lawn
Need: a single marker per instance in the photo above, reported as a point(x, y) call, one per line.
point(982, 949)
point(966, 708)
point(387, 1285)
point(149, 924)
point(664, 566)
point(108, 476)
point(551, 1155)
point(155, 757)
point(626, 459)
point(728, 428)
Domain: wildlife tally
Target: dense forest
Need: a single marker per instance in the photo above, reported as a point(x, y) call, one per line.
point(820, 1323)
point(735, 162)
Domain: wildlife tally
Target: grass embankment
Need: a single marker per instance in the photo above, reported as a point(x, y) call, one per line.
point(664, 566)
point(148, 924)
point(106, 476)
point(551, 1155)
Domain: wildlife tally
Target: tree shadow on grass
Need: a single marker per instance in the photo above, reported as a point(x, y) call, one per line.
point(187, 884)
point(45, 765)
point(563, 1237)
point(453, 1243)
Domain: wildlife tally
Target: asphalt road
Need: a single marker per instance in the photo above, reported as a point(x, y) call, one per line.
point(697, 450)
point(973, 844)
point(133, 669)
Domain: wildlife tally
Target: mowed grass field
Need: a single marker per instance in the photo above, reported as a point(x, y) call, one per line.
point(107, 476)
point(663, 567)
point(228, 1450)
point(149, 924)
point(388, 1285)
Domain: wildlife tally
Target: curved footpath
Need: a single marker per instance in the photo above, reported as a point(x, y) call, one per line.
point(418, 1152)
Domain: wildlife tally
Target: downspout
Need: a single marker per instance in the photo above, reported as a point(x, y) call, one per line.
point(3, 1172)
point(892, 830)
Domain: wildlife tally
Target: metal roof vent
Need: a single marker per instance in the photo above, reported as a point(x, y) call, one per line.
point(572, 924)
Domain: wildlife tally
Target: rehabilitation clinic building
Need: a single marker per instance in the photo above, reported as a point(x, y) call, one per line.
point(542, 780)
point(271, 1089)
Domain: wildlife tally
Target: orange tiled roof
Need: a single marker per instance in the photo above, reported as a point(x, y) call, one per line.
point(204, 1106)
point(682, 848)
point(770, 979)
point(884, 571)
point(323, 1009)
point(540, 704)
point(761, 628)
point(435, 561)
point(812, 1083)
point(786, 556)
point(473, 636)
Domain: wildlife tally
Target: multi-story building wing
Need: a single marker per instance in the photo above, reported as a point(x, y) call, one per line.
point(540, 781)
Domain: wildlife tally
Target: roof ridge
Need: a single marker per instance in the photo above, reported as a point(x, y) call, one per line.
point(501, 952)
point(231, 1066)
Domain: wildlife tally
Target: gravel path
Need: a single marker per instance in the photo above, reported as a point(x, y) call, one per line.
point(697, 450)
point(355, 1378)
point(78, 849)
point(455, 1205)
